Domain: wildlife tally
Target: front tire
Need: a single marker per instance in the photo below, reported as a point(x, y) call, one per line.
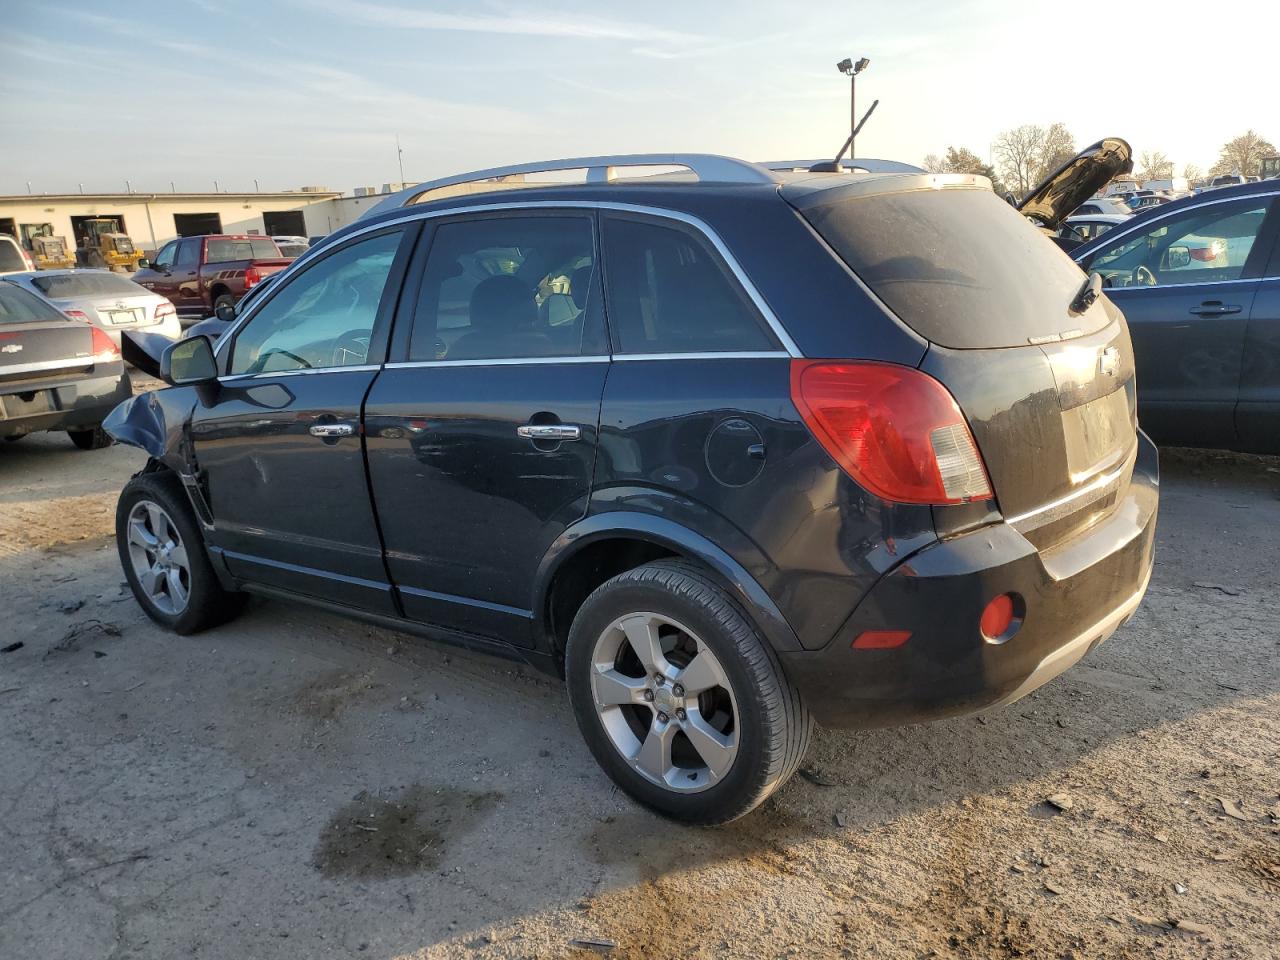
point(95, 438)
point(164, 559)
point(223, 298)
point(679, 698)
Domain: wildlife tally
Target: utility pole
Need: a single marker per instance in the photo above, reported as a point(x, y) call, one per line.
point(400, 157)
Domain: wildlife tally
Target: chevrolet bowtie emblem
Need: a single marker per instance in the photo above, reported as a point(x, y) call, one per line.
point(11, 348)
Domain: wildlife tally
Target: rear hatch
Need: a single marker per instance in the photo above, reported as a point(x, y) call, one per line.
point(37, 343)
point(1044, 379)
point(108, 299)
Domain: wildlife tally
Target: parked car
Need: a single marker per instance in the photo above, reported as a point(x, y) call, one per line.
point(289, 239)
point(1199, 281)
point(13, 259)
point(1108, 206)
point(1227, 180)
point(199, 273)
point(104, 298)
point(1051, 203)
point(732, 455)
point(56, 372)
point(292, 250)
point(1142, 202)
point(1080, 229)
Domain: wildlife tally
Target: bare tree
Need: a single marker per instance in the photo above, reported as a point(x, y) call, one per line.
point(935, 164)
point(1243, 155)
point(1017, 154)
point(1154, 165)
point(1058, 147)
point(1192, 172)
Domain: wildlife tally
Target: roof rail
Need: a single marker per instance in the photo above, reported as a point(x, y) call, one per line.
point(856, 165)
point(706, 167)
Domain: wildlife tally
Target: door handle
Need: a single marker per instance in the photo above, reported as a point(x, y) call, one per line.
point(555, 432)
point(328, 430)
point(1215, 308)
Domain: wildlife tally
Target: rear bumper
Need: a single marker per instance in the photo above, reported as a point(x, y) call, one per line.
point(75, 405)
point(1076, 595)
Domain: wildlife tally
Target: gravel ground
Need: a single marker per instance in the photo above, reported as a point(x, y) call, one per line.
point(296, 785)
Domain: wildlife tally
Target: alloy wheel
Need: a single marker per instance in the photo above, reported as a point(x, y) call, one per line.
point(159, 557)
point(665, 702)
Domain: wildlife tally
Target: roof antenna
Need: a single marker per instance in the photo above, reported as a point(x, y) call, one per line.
point(833, 166)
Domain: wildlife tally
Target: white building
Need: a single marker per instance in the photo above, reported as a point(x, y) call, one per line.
point(153, 219)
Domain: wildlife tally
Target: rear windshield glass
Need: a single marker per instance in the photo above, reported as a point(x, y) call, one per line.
point(10, 259)
point(63, 286)
point(18, 306)
point(959, 266)
point(227, 250)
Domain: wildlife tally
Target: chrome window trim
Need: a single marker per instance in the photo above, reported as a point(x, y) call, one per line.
point(706, 355)
point(305, 371)
point(1120, 232)
point(495, 362)
point(1170, 286)
point(660, 213)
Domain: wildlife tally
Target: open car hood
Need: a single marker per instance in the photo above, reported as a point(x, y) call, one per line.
point(1076, 181)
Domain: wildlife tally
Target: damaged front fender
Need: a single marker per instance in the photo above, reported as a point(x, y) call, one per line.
point(158, 423)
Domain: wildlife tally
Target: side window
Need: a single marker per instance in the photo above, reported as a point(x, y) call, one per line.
point(1204, 245)
point(323, 316)
point(164, 259)
point(506, 288)
point(226, 250)
point(667, 293)
point(188, 254)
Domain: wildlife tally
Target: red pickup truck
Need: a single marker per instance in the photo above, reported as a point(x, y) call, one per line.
point(199, 273)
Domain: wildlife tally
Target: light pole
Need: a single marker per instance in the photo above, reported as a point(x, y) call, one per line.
point(851, 69)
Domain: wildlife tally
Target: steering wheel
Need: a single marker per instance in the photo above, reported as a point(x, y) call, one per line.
point(261, 363)
point(1144, 276)
point(351, 347)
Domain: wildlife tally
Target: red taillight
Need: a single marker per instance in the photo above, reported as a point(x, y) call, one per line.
point(895, 430)
point(27, 260)
point(78, 315)
point(881, 639)
point(104, 348)
point(251, 276)
point(165, 310)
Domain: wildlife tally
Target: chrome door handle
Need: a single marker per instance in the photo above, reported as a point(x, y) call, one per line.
point(333, 430)
point(1215, 308)
point(555, 432)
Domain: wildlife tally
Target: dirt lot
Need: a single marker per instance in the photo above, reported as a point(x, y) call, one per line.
point(296, 785)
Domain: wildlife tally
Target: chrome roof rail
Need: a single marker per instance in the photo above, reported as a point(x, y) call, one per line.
point(707, 167)
point(858, 164)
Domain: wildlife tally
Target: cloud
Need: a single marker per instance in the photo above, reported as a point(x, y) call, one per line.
point(545, 24)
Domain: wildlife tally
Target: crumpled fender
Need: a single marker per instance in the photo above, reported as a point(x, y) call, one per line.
point(155, 422)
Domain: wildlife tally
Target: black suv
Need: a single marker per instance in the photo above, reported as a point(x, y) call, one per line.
point(731, 449)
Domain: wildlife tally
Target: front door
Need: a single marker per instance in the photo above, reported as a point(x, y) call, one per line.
point(185, 277)
point(280, 446)
point(482, 436)
point(159, 276)
point(1185, 284)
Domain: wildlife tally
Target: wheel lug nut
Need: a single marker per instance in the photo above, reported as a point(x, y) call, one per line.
point(662, 717)
point(648, 696)
point(659, 679)
point(681, 715)
point(678, 690)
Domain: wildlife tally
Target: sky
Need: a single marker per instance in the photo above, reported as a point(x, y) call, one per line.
point(294, 92)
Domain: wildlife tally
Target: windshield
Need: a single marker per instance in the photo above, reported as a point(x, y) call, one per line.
point(64, 286)
point(959, 266)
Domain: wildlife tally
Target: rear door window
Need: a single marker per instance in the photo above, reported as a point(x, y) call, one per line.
point(669, 293)
point(508, 288)
point(958, 265)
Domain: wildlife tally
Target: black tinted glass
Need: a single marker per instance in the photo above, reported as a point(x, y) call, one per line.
point(10, 258)
point(506, 288)
point(18, 306)
point(668, 294)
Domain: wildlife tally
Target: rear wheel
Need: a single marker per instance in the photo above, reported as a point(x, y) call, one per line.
point(95, 438)
point(164, 560)
point(680, 699)
point(221, 299)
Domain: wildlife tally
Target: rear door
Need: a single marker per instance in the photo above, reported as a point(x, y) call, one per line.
point(481, 432)
point(1186, 283)
point(279, 444)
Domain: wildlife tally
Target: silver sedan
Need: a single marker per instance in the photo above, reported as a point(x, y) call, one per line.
point(108, 300)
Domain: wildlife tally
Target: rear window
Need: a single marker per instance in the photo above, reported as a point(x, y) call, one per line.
point(226, 250)
point(63, 286)
point(10, 258)
point(19, 306)
point(960, 266)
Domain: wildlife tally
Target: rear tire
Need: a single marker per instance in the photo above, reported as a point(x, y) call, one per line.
point(222, 298)
point(160, 543)
point(719, 752)
point(95, 438)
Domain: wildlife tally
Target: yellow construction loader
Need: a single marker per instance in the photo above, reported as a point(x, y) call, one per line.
point(50, 253)
point(105, 248)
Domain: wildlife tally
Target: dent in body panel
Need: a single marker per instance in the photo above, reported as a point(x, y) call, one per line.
point(157, 422)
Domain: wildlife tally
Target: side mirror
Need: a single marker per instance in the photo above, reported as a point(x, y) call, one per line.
point(225, 311)
point(1177, 258)
point(143, 263)
point(189, 361)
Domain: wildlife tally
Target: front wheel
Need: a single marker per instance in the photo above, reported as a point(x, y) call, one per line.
point(164, 560)
point(680, 699)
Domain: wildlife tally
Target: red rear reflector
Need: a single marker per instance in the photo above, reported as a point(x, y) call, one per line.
point(895, 430)
point(997, 617)
point(104, 348)
point(881, 639)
